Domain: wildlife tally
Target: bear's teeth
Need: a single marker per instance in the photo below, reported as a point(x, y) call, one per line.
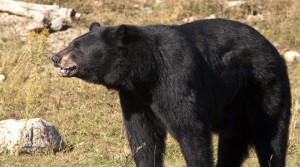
point(63, 72)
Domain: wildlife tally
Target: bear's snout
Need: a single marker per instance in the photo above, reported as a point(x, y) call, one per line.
point(64, 61)
point(55, 59)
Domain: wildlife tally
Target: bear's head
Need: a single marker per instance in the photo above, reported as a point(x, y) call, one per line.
point(99, 56)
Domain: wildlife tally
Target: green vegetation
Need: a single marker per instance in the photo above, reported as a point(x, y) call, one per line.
point(88, 116)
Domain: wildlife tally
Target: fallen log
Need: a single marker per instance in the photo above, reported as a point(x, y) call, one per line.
point(47, 15)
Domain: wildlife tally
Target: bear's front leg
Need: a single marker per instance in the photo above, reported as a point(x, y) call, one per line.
point(145, 133)
point(192, 129)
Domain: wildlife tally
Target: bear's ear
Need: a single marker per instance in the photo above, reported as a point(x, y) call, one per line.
point(124, 34)
point(94, 26)
point(121, 35)
point(121, 32)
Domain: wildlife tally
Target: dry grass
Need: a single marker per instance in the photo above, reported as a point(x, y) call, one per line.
point(88, 116)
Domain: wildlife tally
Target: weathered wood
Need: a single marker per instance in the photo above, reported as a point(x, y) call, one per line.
point(45, 14)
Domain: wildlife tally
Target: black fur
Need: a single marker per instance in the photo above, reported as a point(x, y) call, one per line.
point(191, 80)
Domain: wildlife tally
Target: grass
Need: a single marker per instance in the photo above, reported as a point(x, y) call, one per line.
point(88, 116)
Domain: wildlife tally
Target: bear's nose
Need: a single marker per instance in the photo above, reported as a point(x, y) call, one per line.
point(55, 60)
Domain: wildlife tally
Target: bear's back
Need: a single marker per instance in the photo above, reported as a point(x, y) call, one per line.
point(232, 49)
point(216, 37)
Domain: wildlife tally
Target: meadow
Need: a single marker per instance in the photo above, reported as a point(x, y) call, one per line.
point(88, 116)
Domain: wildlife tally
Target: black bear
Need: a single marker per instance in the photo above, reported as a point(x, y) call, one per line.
point(191, 80)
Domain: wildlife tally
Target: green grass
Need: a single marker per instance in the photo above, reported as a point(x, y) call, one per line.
point(88, 116)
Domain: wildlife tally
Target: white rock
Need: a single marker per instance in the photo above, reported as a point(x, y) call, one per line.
point(157, 2)
point(56, 24)
point(212, 16)
point(232, 4)
point(255, 18)
point(2, 77)
point(77, 16)
point(291, 56)
point(35, 25)
point(29, 136)
point(189, 19)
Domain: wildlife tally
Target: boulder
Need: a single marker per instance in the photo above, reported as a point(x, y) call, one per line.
point(29, 136)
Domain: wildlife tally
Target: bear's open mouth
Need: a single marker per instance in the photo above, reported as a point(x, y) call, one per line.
point(68, 72)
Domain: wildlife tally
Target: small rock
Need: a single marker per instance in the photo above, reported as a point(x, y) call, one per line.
point(77, 16)
point(189, 19)
point(29, 136)
point(291, 56)
point(33, 25)
point(212, 16)
point(2, 77)
point(158, 2)
point(255, 18)
point(142, 8)
point(97, 3)
point(39, 17)
point(56, 24)
point(232, 4)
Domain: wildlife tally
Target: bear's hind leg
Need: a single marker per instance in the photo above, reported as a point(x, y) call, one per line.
point(271, 144)
point(271, 126)
point(145, 133)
